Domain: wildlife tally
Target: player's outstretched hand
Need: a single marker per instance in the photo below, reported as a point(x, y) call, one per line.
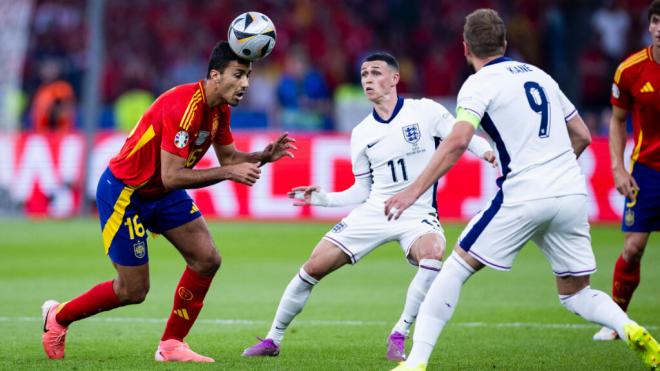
point(279, 148)
point(396, 204)
point(303, 195)
point(625, 183)
point(245, 173)
point(490, 157)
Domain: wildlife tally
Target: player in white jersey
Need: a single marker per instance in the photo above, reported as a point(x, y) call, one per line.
point(538, 135)
point(389, 149)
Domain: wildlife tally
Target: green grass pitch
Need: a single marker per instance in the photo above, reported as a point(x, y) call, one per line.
point(507, 321)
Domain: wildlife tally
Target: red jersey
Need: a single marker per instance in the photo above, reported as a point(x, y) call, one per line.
point(179, 122)
point(636, 88)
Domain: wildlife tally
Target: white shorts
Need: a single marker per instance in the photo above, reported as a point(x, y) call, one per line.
point(558, 226)
point(367, 227)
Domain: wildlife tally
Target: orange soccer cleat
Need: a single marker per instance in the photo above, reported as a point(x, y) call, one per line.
point(54, 333)
point(177, 351)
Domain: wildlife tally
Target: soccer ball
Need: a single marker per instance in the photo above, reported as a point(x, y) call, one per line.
point(252, 36)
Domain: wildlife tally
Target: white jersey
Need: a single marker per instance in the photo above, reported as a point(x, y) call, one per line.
point(394, 152)
point(525, 113)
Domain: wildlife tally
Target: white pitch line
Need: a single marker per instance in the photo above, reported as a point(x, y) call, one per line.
point(538, 325)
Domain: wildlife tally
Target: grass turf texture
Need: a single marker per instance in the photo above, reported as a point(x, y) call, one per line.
point(61, 259)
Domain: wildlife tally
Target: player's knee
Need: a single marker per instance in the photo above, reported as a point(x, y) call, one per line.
point(209, 264)
point(315, 269)
point(432, 252)
point(570, 285)
point(133, 294)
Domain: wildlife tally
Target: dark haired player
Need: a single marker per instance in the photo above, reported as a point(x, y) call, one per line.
point(389, 149)
point(143, 190)
point(636, 89)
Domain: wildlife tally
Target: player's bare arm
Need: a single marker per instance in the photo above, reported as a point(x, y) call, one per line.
point(282, 146)
point(623, 181)
point(449, 151)
point(175, 175)
point(579, 134)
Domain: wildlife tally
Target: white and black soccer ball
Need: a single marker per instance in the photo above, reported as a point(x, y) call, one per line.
point(252, 35)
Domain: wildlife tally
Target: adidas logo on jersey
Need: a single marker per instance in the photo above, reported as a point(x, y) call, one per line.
point(647, 88)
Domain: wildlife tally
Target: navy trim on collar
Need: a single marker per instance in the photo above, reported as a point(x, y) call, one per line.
point(397, 108)
point(498, 60)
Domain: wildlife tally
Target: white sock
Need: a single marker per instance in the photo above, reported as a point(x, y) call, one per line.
point(437, 308)
point(419, 286)
point(596, 306)
point(293, 300)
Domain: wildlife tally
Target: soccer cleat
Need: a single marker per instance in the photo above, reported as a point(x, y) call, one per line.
point(396, 347)
point(606, 334)
point(173, 350)
point(644, 344)
point(403, 367)
point(264, 348)
point(54, 334)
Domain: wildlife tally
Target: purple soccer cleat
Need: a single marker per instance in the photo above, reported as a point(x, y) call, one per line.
point(396, 347)
point(264, 348)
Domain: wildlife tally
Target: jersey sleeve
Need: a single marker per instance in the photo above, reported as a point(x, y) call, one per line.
point(441, 120)
point(473, 98)
point(224, 136)
point(359, 160)
point(620, 95)
point(178, 123)
point(567, 106)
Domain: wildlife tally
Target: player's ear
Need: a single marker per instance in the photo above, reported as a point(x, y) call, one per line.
point(466, 49)
point(396, 76)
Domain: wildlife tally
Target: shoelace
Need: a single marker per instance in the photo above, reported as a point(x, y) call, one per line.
point(59, 339)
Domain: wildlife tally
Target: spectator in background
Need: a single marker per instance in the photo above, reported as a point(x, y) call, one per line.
point(262, 98)
point(612, 23)
point(594, 75)
point(331, 35)
point(53, 105)
point(129, 107)
point(303, 95)
point(439, 77)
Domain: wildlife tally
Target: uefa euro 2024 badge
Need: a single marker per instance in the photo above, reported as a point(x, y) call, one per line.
point(181, 139)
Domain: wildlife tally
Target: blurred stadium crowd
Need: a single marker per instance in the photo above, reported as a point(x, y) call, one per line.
point(151, 45)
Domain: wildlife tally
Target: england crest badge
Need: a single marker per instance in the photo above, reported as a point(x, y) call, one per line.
point(411, 133)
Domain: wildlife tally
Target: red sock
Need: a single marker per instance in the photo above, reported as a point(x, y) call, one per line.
point(625, 281)
point(188, 302)
point(98, 299)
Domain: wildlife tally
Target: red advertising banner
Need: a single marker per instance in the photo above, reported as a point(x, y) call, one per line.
point(44, 175)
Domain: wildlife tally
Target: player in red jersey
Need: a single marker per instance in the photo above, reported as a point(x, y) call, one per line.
point(636, 89)
point(143, 189)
